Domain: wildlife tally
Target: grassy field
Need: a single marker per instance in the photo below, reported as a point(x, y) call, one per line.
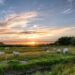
point(30, 52)
point(59, 69)
point(37, 61)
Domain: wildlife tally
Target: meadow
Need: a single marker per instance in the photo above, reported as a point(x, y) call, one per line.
point(37, 61)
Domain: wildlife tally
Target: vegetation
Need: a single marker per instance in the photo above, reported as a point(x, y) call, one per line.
point(59, 69)
point(44, 62)
point(66, 41)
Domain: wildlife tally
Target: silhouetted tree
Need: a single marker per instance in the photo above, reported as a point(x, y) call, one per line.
point(65, 41)
point(73, 41)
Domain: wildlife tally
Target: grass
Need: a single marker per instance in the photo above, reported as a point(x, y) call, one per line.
point(49, 60)
point(59, 69)
point(30, 52)
point(36, 58)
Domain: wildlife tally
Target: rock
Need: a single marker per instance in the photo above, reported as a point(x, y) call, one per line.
point(7, 48)
point(48, 51)
point(16, 53)
point(65, 50)
point(2, 53)
point(45, 48)
point(23, 62)
point(58, 50)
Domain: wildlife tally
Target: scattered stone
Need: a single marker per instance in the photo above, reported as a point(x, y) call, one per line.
point(48, 51)
point(23, 62)
point(54, 48)
point(65, 50)
point(45, 48)
point(7, 48)
point(16, 53)
point(2, 53)
point(58, 50)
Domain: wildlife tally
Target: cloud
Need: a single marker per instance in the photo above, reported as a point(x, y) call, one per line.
point(70, 1)
point(13, 29)
point(21, 19)
point(38, 33)
point(69, 8)
point(2, 1)
point(67, 11)
point(17, 22)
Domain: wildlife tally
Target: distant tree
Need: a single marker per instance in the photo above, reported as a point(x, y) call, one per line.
point(64, 41)
point(73, 41)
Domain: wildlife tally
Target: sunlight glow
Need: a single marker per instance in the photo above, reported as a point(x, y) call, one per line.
point(33, 43)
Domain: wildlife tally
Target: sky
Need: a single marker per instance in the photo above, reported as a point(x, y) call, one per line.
point(36, 21)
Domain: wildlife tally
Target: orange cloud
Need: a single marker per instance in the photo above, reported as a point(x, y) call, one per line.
point(45, 35)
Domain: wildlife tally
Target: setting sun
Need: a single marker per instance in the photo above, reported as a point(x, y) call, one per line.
point(32, 43)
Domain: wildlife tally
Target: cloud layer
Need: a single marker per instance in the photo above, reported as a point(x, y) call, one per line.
point(16, 22)
point(15, 30)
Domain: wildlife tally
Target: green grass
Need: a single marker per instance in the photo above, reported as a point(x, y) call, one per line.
point(36, 57)
point(48, 60)
point(30, 52)
point(59, 69)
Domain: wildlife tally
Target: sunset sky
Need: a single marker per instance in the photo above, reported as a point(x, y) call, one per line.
point(36, 21)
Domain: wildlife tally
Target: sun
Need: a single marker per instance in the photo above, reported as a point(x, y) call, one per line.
point(33, 43)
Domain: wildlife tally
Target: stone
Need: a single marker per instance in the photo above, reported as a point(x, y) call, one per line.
point(16, 53)
point(65, 50)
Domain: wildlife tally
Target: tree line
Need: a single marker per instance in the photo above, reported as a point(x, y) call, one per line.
point(65, 41)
